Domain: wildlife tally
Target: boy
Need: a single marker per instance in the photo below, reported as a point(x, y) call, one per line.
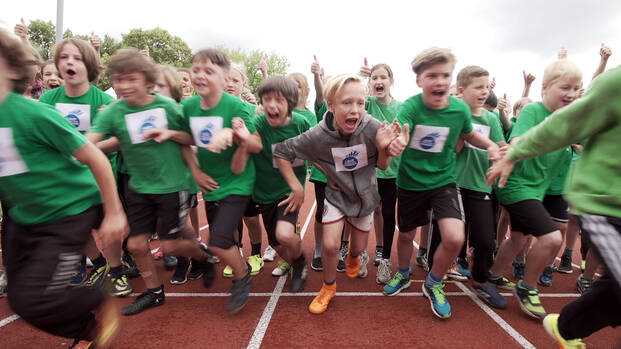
point(158, 176)
point(472, 164)
point(522, 196)
point(54, 204)
point(426, 178)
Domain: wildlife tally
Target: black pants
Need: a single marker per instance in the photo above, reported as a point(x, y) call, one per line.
point(387, 188)
point(601, 306)
point(41, 259)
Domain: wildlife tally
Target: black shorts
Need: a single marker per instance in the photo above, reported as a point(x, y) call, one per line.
point(271, 215)
point(143, 211)
point(320, 195)
point(530, 217)
point(223, 217)
point(412, 206)
point(557, 207)
point(252, 209)
point(193, 200)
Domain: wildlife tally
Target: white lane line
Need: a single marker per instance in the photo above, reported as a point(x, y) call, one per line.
point(502, 323)
point(308, 218)
point(579, 267)
point(8, 320)
point(264, 322)
point(204, 227)
point(344, 294)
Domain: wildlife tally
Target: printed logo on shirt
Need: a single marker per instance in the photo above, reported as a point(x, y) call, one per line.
point(482, 129)
point(79, 115)
point(204, 128)
point(350, 158)
point(140, 122)
point(295, 163)
point(11, 163)
point(429, 139)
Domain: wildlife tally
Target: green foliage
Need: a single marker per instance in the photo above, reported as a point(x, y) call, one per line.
point(42, 35)
point(251, 59)
point(69, 34)
point(164, 48)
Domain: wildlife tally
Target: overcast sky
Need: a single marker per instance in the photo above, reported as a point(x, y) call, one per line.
point(505, 37)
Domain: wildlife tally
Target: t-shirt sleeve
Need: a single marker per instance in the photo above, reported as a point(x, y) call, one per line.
point(245, 114)
point(46, 98)
point(526, 121)
point(103, 122)
point(301, 146)
point(467, 127)
point(175, 117)
point(52, 129)
point(406, 111)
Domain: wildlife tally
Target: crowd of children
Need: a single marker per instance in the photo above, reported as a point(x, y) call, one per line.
point(375, 162)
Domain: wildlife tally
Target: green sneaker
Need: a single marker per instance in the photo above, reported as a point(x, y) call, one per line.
point(501, 282)
point(550, 323)
point(529, 301)
point(97, 275)
point(228, 272)
point(437, 298)
point(256, 264)
point(398, 283)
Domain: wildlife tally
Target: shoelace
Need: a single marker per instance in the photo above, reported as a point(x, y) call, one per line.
point(396, 280)
point(438, 293)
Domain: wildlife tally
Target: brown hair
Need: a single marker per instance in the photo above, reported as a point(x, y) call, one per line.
point(216, 57)
point(465, 76)
point(130, 60)
point(283, 85)
point(303, 82)
point(385, 66)
point(173, 79)
point(89, 57)
point(431, 56)
point(18, 57)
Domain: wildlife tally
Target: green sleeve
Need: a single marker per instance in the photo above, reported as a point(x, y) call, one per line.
point(53, 130)
point(244, 113)
point(526, 121)
point(175, 118)
point(405, 115)
point(103, 122)
point(320, 110)
point(467, 128)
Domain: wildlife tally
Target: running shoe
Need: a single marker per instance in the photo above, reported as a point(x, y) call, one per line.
point(343, 253)
point(501, 282)
point(397, 284)
point(228, 272)
point(109, 323)
point(518, 269)
point(529, 301)
point(550, 323)
point(454, 273)
point(120, 286)
point(323, 298)
point(463, 267)
point(490, 294)
point(437, 299)
point(79, 276)
point(299, 271)
point(269, 254)
point(158, 254)
point(170, 262)
point(383, 272)
point(545, 279)
point(317, 264)
point(239, 293)
point(96, 276)
point(353, 265)
point(364, 260)
point(143, 302)
point(131, 269)
point(565, 266)
point(340, 266)
point(256, 264)
point(583, 284)
point(378, 255)
point(583, 265)
point(180, 276)
point(282, 268)
point(421, 260)
point(3, 284)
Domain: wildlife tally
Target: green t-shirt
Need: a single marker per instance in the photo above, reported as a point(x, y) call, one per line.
point(272, 185)
point(308, 115)
point(530, 178)
point(315, 174)
point(428, 162)
point(508, 131)
point(202, 124)
point(473, 162)
point(153, 168)
point(385, 112)
point(40, 181)
point(559, 182)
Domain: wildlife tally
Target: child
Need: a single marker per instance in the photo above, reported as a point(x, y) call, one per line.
point(346, 146)
point(472, 164)
point(51, 78)
point(186, 82)
point(279, 96)
point(54, 205)
point(525, 190)
point(426, 178)
point(593, 194)
point(158, 176)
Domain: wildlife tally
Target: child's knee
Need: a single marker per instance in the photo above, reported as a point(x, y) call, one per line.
point(138, 245)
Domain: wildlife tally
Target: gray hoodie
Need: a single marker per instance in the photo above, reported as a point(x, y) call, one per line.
point(349, 161)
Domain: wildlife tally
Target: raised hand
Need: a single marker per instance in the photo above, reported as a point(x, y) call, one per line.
point(95, 41)
point(145, 50)
point(365, 70)
point(315, 67)
point(605, 52)
point(263, 66)
point(492, 83)
point(562, 53)
point(240, 131)
point(396, 147)
point(386, 134)
point(21, 30)
point(528, 78)
point(502, 103)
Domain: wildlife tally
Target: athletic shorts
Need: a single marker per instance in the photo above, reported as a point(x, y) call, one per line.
point(332, 214)
point(252, 209)
point(412, 206)
point(223, 217)
point(272, 214)
point(143, 211)
point(557, 207)
point(193, 200)
point(320, 196)
point(530, 217)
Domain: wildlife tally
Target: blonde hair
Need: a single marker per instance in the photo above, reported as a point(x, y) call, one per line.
point(431, 56)
point(241, 69)
point(563, 68)
point(301, 80)
point(335, 84)
point(465, 76)
point(173, 80)
point(519, 104)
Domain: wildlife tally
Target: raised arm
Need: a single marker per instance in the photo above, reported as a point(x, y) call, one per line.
point(604, 52)
point(317, 72)
point(528, 81)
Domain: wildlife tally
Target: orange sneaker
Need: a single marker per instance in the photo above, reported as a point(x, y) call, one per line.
point(353, 266)
point(325, 295)
point(109, 324)
point(83, 344)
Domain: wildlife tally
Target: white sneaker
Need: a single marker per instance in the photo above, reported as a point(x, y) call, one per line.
point(282, 268)
point(269, 254)
point(383, 272)
point(364, 260)
point(3, 283)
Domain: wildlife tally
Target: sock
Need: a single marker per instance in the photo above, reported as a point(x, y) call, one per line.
point(568, 251)
point(329, 283)
point(156, 290)
point(318, 250)
point(99, 261)
point(405, 272)
point(256, 249)
point(432, 280)
point(422, 251)
point(115, 272)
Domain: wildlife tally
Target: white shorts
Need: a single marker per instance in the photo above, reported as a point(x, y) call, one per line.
point(332, 214)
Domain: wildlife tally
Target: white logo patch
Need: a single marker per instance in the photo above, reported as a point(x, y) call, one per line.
point(203, 128)
point(350, 158)
point(482, 129)
point(430, 139)
point(11, 163)
point(79, 115)
point(295, 163)
point(142, 121)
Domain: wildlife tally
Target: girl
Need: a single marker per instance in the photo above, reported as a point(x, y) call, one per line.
point(51, 78)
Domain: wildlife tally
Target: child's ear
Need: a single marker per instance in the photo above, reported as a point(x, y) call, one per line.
point(460, 90)
point(418, 81)
point(330, 106)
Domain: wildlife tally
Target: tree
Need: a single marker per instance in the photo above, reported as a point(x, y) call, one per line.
point(42, 35)
point(164, 48)
point(275, 64)
point(69, 34)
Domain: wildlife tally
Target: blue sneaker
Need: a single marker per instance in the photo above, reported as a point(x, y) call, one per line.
point(79, 276)
point(463, 268)
point(398, 283)
point(439, 304)
point(490, 294)
point(546, 277)
point(518, 269)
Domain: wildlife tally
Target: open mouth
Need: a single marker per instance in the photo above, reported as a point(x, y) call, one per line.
point(54, 85)
point(438, 93)
point(272, 116)
point(379, 89)
point(70, 72)
point(351, 122)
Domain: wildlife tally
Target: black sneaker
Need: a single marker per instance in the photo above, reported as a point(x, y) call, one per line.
point(239, 293)
point(180, 276)
point(170, 262)
point(131, 269)
point(565, 266)
point(209, 267)
point(143, 302)
point(378, 255)
point(196, 272)
point(299, 270)
point(317, 264)
point(340, 266)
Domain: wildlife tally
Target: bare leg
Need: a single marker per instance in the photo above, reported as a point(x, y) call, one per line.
point(331, 246)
